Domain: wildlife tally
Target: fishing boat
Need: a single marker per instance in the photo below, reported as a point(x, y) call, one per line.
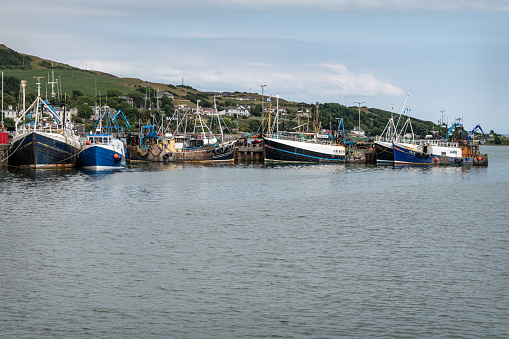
point(439, 152)
point(150, 145)
point(103, 150)
point(302, 147)
point(181, 146)
point(200, 147)
point(41, 139)
point(456, 149)
point(383, 144)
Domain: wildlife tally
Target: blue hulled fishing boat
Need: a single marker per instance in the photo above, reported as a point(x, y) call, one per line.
point(103, 150)
point(41, 139)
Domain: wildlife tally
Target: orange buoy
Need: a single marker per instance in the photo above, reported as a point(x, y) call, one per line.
point(436, 159)
point(479, 158)
point(88, 142)
point(115, 156)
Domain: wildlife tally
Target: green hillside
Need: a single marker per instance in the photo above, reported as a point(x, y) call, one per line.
point(28, 67)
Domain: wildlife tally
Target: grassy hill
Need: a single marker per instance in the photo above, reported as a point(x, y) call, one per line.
point(27, 67)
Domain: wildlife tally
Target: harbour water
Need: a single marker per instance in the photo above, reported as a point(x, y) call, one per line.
point(255, 251)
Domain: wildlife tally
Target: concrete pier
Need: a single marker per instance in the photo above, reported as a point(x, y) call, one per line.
point(249, 153)
point(4, 148)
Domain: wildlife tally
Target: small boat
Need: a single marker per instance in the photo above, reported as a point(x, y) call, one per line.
point(104, 150)
point(41, 139)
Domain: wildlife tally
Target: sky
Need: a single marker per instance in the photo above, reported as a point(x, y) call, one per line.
point(449, 55)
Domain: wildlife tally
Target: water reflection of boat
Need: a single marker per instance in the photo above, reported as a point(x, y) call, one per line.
point(41, 138)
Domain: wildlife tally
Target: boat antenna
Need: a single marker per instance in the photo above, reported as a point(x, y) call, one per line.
point(52, 82)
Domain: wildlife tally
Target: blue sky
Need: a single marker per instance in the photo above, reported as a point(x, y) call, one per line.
point(450, 55)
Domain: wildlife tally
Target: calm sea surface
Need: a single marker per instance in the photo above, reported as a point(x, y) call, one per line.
point(254, 251)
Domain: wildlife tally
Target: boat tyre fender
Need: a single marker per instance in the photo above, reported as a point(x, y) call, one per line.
point(117, 160)
point(222, 149)
point(216, 150)
point(166, 156)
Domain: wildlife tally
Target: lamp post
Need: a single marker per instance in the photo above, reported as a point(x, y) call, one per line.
point(262, 86)
point(359, 102)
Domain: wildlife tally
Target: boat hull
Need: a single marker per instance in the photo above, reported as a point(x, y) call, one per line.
point(43, 150)
point(404, 155)
point(384, 152)
point(299, 151)
point(102, 157)
point(223, 152)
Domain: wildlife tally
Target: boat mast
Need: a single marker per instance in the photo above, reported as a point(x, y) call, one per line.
point(277, 116)
point(38, 101)
point(218, 120)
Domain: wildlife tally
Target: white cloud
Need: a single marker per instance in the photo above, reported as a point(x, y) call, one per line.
point(319, 82)
point(365, 84)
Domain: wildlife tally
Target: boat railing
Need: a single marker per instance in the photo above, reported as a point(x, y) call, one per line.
point(432, 142)
point(303, 137)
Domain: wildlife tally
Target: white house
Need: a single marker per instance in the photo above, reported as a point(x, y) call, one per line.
point(10, 113)
point(239, 110)
point(168, 94)
point(247, 98)
point(129, 100)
